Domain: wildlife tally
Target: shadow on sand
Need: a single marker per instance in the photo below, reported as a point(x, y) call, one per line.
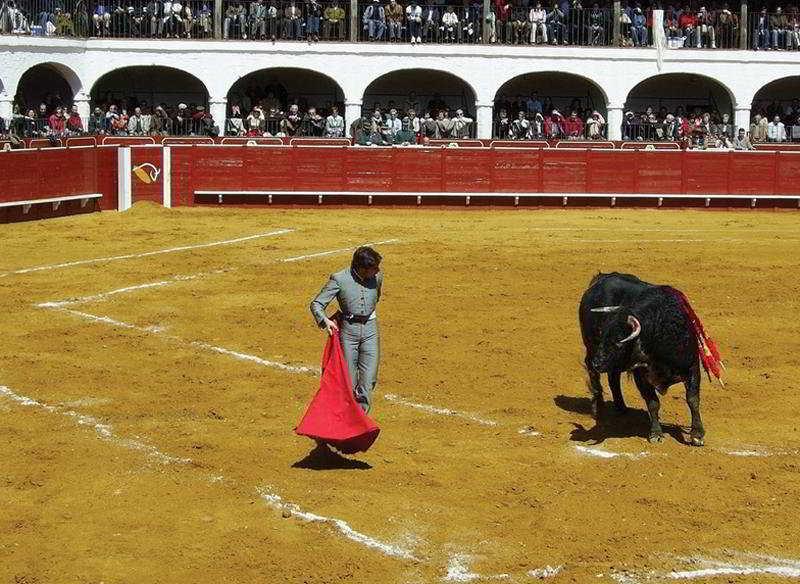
point(322, 457)
point(633, 423)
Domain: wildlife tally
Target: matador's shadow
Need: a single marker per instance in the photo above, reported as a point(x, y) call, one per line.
point(323, 457)
point(633, 423)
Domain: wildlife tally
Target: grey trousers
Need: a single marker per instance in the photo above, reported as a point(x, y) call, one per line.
point(361, 347)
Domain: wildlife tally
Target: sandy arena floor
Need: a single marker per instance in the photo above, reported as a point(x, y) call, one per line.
point(146, 431)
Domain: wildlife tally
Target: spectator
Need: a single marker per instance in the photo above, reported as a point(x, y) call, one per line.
point(688, 24)
point(74, 122)
point(394, 127)
point(313, 16)
point(375, 21)
point(291, 122)
point(778, 23)
point(430, 23)
point(725, 128)
point(597, 26)
point(258, 20)
point(758, 129)
point(556, 26)
point(64, 24)
point(554, 125)
point(313, 124)
point(414, 18)
point(519, 25)
point(503, 124)
point(334, 124)
point(520, 128)
point(412, 126)
point(394, 19)
point(138, 125)
point(293, 21)
point(97, 122)
point(573, 126)
point(235, 15)
point(119, 123)
point(333, 26)
point(160, 122)
point(639, 27)
point(461, 125)
point(742, 141)
point(182, 124)
point(449, 25)
point(537, 17)
point(727, 28)
point(234, 125)
point(102, 20)
point(206, 20)
point(596, 126)
point(776, 132)
point(704, 31)
point(255, 123)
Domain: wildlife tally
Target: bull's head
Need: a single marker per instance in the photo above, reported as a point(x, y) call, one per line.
point(616, 338)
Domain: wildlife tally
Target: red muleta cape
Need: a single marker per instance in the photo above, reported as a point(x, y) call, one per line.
point(334, 416)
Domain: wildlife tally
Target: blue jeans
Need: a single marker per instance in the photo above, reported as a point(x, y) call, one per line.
point(312, 25)
point(375, 29)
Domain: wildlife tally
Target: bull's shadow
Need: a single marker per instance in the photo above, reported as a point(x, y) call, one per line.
point(324, 458)
point(633, 423)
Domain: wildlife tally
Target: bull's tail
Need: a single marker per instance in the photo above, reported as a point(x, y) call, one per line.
point(709, 352)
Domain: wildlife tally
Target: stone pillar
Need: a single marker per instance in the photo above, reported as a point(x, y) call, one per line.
point(218, 108)
point(352, 112)
point(485, 13)
point(84, 106)
point(743, 26)
point(6, 106)
point(615, 20)
point(742, 118)
point(218, 19)
point(614, 122)
point(355, 23)
point(484, 119)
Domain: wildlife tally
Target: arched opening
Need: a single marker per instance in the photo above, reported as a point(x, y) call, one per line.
point(550, 105)
point(285, 101)
point(45, 87)
point(443, 102)
point(779, 99)
point(657, 107)
point(150, 100)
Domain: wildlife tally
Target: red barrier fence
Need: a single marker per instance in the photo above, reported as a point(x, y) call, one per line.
point(27, 176)
point(486, 170)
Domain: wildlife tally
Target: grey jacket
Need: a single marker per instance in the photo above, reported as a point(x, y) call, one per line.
point(355, 296)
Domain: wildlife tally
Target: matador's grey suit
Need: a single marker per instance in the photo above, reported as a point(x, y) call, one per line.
point(358, 325)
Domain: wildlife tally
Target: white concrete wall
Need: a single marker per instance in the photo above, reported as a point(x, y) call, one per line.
point(484, 69)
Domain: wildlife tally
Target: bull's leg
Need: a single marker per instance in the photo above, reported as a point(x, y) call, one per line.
point(596, 389)
point(693, 400)
point(616, 391)
point(653, 404)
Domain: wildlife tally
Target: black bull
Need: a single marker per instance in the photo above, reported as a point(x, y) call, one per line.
point(630, 325)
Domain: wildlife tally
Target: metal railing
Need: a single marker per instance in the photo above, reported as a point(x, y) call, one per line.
point(774, 30)
point(539, 127)
point(104, 124)
point(578, 26)
point(298, 125)
point(286, 20)
point(430, 23)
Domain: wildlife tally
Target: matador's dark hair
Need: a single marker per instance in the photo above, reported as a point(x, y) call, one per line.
point(366, 257)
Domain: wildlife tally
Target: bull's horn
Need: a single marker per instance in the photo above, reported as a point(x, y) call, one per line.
point(606, 308)
point(637, 329)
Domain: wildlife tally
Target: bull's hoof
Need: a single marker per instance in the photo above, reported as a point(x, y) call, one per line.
point(656, 438)
point(696, 440)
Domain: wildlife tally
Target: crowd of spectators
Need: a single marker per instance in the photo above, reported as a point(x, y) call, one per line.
point(293, 20)
point(269, 118)
point(134, 118)
point(536, 118)
point(777, 31)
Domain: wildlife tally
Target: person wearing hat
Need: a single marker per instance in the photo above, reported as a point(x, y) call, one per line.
point(357, 290)
point(374, 21)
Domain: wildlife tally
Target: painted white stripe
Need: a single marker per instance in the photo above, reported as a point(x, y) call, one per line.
point(439, 411)
point(150, 253)
point(124, 192)
point(105, 295)
point(159, 331)
point(335, 251)
point(643, 241)
point(600, 453)
point(166, 176)
point(342, 526)
point(103, 431)
point(783, 571)
point(545, 572)
point(458, 570)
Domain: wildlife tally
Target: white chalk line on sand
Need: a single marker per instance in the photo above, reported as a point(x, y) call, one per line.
point(439, 411)
point(335, 251)
point(103, 431)
point(149, 253)
point(459, 570)
point(640, 242)
point(705, 568)
point(156, 330)
point(395, 551)
point(601, 453)
point(106, 432)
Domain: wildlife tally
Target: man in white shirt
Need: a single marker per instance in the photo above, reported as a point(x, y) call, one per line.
point(414, 17)
point(334, 124)
point(461, 125)
point(776, 132)
point(537, 18)
point(449, 25)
